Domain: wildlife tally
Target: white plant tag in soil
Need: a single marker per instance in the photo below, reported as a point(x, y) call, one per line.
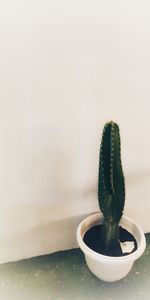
point(127, 243)
point(127, 247)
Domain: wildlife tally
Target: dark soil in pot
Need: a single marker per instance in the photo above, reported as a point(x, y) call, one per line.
point(92, 239)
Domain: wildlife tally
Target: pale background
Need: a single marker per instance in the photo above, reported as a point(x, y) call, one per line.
point(67, 67)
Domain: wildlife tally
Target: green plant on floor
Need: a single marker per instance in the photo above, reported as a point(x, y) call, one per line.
point(111, 185)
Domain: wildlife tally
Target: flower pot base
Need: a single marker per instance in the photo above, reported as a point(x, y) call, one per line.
point(108, 273)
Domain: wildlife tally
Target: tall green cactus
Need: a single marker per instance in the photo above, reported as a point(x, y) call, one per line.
point(111, 185)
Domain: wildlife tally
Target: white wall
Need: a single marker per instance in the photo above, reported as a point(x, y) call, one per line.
point(66, 67)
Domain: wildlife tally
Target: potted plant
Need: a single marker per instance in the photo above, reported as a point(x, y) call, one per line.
point(110, 241)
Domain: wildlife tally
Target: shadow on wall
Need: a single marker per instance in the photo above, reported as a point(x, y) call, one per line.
point(137, 197)
point(61, 170)
point(56, 171)
point(46, 169)
point(44, 238)
point(138, 177)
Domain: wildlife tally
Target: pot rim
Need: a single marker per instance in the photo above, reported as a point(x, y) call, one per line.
point(100, 257)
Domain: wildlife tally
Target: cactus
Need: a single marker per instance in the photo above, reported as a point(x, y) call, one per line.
point(111, 185)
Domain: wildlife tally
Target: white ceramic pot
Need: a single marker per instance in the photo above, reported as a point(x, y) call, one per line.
point(108, 268)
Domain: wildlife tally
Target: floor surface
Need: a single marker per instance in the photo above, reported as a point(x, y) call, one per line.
point(65, 276)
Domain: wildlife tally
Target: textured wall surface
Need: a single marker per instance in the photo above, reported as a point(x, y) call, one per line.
point(67, 67)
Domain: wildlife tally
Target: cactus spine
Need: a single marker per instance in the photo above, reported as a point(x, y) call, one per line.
point(111, 185)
